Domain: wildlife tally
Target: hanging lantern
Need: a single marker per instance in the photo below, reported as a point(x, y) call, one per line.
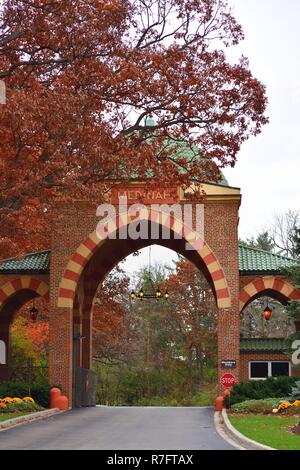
point(267, 312)
point(33, 313)
point(158, 294)
point(132, 295)
point(141, 294)
point(153, 292)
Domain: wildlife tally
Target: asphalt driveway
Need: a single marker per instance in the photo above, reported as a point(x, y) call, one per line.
point(119, 428)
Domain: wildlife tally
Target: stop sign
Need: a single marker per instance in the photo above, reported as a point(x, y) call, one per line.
point(228, 380)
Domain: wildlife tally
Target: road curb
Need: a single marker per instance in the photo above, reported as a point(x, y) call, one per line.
point(233, 436)
point(28, 418)
point(221, 430)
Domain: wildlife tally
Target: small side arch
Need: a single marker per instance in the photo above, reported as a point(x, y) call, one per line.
point(10, 288)
point(278, 288)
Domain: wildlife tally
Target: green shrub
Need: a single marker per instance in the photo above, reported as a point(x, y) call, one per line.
point(295, 392)
point(39, 392)
point(261, 389)
point(9, 408)
point(257, 406)
point(20, 407)
point(205, 397)
point(27, 406)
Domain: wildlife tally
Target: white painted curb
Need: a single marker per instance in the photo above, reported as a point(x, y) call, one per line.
point(28, 418)
point(235, 437)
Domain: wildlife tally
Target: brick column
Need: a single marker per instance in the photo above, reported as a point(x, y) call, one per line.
point(60, 349)
point(221, 223)
point(228, 341)
point(65, 239)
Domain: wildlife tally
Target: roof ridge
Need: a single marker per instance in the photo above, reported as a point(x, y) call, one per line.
point(25, 256)
point(242, 245)
point(263, 339)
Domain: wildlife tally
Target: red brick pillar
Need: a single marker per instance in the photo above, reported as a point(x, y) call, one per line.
point(60, 349)
point(221, 233)
point(228, 341)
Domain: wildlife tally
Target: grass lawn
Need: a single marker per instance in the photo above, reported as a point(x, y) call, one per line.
point(5, 416)
point(269, 430)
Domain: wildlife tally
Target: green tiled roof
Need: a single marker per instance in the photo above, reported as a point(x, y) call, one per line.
point(255, 261)
point(263, 344)
point(251, 261)
point(190, 154)
point(37, 263)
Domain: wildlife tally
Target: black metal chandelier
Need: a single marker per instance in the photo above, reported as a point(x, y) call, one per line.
point(141, 294)
point(152, 293)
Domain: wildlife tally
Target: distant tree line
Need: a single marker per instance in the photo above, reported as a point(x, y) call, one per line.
point(281, 237)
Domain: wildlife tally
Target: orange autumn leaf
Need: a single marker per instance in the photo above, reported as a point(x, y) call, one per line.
point(83, 78)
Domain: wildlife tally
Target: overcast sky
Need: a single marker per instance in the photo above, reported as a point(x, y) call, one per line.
point(268, 167)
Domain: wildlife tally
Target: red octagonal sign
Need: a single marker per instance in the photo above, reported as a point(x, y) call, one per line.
point(228, 380)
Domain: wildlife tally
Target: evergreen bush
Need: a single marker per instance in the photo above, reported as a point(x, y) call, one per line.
point(39, 392)
point(261, 389)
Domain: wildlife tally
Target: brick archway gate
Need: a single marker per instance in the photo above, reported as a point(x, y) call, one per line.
point(78, 261)
point(95, 257)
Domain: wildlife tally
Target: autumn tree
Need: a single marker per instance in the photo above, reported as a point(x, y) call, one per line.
point(192, 318)
point(178, 334)
point(30, 344)
point(82, 77)
point(154, 352)
point(114, 329)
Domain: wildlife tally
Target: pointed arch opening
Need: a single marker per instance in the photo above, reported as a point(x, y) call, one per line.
point(95, 257)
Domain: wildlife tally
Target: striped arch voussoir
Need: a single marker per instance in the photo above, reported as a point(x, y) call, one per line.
point(23, 282)
point(217, 275)
point(85, 251)
point(261, 284)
